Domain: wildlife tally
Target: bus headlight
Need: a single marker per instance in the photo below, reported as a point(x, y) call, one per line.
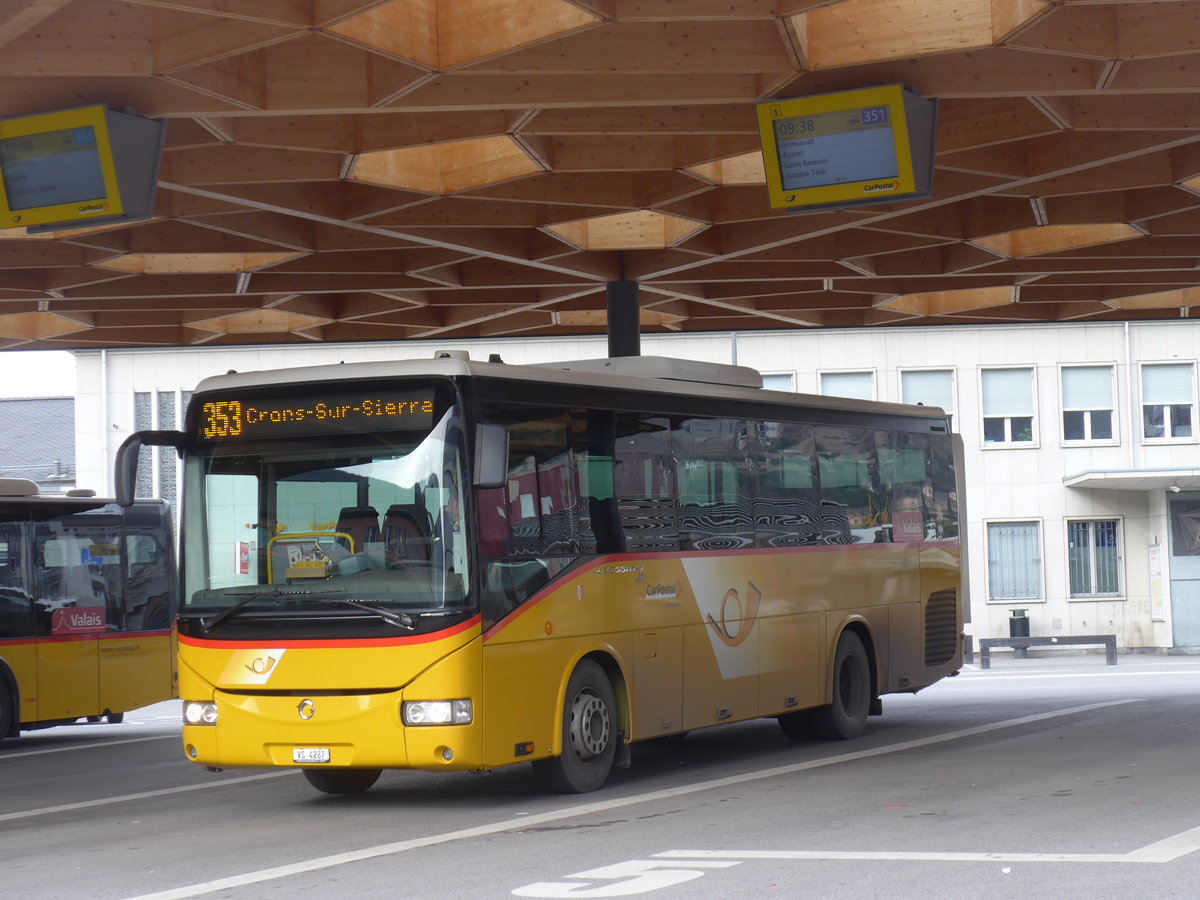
point(199, 712)
point(436, 712)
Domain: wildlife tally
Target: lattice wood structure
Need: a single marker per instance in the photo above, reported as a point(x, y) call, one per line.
point(389, 169)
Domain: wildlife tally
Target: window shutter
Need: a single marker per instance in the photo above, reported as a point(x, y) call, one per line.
point(855, 385)
point(1087, 387)
point(1167, 383)
point(933, 388)
point(778, 382)
point(1007, 392)
point(1014, 571)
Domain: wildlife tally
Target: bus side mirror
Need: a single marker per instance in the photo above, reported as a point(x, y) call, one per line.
point(491, 456)
point(127, 459)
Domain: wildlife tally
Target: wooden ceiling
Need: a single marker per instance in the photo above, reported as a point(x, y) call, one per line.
point(345, 170)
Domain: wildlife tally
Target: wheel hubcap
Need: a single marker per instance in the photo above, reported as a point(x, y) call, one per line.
point(589, 725)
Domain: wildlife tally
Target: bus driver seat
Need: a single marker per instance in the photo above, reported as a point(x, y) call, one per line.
point(362, 524)
point(406, 533)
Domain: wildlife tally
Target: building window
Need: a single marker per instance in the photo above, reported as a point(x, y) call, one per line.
point(1087, 402)
point(1007, 406)
point(1093, 558)
point(1167, 401)
point(779, 382)
point(1014, 561)
point(855, 385)
point(930, 387)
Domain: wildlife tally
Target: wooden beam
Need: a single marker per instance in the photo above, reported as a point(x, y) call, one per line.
point(17, 17)
point(183, 40)
point(54, 37)
point(860, 31)
point(670, 47)
point(275, 12)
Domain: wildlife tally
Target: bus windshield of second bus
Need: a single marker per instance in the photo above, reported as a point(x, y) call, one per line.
point(348, 502)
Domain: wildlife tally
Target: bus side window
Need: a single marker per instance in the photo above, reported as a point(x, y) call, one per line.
point(534, 519)
point(942, 492)
point(147, 584)
point(854, 505)
point(537, 512)
point(717, 483)
point(644, 484)
point(787, 510)
point(16, 605)
point(75, 569)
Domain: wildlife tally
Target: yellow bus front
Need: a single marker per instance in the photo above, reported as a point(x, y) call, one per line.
point(382, 703)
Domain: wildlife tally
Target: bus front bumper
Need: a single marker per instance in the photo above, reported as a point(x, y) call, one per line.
point(356, 731)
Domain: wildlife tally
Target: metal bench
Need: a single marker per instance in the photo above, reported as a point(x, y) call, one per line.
point(1024, 643)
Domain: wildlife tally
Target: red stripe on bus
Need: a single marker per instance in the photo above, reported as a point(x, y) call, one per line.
point(75, 638)
point(346, 644)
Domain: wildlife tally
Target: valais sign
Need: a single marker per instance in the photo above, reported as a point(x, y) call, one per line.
point(77, 620)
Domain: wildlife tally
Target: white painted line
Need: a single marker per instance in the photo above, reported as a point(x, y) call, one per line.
point(141, 795)
point(897, 856)
point(1163, 851)
point(89, 746)
point(979, 675)
point(1169, 849)
point(351, 856)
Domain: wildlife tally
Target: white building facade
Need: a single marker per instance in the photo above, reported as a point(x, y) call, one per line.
point(1082, 444)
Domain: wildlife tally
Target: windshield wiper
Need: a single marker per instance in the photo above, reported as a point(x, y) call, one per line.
point(400, 620)
point(211, 623)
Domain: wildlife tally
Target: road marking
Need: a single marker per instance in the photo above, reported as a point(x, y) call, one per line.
point(672, 867)
point(981, 675)
point(352, 856)
point(141, 795)
point(46, 750)
point(1164, 851)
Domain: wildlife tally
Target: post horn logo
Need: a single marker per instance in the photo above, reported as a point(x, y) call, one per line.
point(261, 665)
point(306, 709)
point(743, 616)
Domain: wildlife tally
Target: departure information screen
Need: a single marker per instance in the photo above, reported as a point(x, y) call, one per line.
point(836, 147)
point(52, 168)
point(247, 418)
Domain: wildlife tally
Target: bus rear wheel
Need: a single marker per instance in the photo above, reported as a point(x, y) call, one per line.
point(846, 717)
point(342, 781)
point(589, 735)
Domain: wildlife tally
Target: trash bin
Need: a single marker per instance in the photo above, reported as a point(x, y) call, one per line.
point(1018, 626)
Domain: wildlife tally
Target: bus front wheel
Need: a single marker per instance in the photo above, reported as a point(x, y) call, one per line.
point(589, 735)
point(846, 716)
point(342, 781)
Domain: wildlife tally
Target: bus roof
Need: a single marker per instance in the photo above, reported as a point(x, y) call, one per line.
point(656, 374)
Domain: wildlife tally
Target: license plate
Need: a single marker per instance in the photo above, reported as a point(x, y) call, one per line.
point(310, 754)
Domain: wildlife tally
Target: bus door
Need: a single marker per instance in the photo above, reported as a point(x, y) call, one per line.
point(73, 611)
point(134, 668)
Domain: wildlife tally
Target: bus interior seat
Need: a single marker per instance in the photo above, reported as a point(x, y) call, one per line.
point(407, 532)
point(361, 523)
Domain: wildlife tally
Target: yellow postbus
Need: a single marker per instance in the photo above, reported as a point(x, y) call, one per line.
point(87, 597)
point(450, 564)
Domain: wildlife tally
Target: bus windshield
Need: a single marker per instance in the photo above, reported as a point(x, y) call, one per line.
point(331, 523)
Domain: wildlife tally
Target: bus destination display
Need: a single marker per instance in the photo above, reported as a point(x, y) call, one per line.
point(836, 147)
point(249, 418)
point(51, 168)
